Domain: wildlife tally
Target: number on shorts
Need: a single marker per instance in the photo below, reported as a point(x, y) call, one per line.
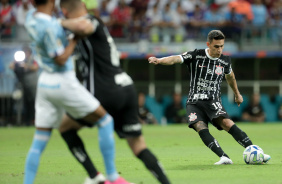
point(217, 105)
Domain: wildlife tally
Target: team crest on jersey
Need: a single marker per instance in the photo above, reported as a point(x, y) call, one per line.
point(218, 69)
point(192, 117)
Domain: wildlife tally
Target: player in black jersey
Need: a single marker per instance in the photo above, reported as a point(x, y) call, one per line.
point(99, 69)
point(207, 68)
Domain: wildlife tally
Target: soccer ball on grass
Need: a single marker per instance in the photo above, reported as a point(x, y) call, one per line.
point(253, 154)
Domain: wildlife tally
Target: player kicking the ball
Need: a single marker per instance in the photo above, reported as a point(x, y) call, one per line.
point(207, 68)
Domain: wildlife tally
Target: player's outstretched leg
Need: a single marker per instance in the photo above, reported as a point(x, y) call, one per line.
point(140, 150)
point(242, 138)
point(39, 143)
point(212, 143)
point(152, 164)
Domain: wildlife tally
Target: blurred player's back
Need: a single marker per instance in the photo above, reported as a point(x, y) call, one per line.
point(39, 27)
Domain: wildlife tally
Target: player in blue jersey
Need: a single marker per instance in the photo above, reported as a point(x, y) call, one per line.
point(59, 91)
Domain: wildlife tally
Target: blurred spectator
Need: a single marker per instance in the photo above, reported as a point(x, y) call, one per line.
point(20, 13)
point(138, 25)
point(160, 3)
point(21, 10)
point(175, 112)
point(104, 12)
point(234, 23)
point(214, 18)
point(190, 5)
point(180, 20)
point(242, 7)
point(275, 21)
point(111, 5)
point(260, 13)
point(254, 111)
point(145, 116)
point(92, 6)
point(7, 19)
point(27, 73)
point(269, 4)
point(196, 21)
point(260, 17)
point(139, 7)
point(167, 24)
point(154, 18)
point(120, 19)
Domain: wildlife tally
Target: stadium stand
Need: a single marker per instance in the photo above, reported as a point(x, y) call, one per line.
point(155, 107)
point(270, 108)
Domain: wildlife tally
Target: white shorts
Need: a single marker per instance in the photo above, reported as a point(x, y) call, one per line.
point(58, 93)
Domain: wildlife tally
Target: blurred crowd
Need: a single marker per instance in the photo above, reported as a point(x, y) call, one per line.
point(167, 20)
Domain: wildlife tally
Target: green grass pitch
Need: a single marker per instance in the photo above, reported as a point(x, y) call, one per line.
point(185, 158)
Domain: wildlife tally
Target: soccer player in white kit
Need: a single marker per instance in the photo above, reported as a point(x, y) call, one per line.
point(59, 92)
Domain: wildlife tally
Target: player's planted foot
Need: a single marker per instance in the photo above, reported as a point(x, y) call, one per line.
point(120, 180)
point(266, 158)
point(224, 161)
point(99, 179)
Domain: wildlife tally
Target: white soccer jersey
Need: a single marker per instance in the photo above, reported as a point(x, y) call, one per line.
point(207, 74)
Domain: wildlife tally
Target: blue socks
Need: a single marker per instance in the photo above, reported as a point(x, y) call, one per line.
point(40, 140)
point(107, 145)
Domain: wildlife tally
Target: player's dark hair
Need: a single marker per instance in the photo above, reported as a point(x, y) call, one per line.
point(70, 4)
point(40, 2)
point(215, 34)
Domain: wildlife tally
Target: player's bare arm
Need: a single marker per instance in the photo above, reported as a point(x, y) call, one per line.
point(61, 59)
point(230, 78)
point(170, 60)
point(80, 26)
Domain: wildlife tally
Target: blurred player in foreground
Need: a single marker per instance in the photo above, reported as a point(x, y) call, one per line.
point(98, 61)
point(59, 91)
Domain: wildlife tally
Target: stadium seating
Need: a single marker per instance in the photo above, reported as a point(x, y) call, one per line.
point(166, 100)
point(232, 108)
point(270, 108)
point(154, 107)
point(235, 112)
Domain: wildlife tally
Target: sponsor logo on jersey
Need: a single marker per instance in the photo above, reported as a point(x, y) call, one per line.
point(221, 61)
point(187, 56)
point(208, 81)
point(192, 117)
point(201, 57)
point(200, 96)
point(208, 88)
point(218, 69)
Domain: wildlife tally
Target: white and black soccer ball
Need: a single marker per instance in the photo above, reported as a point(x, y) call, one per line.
point(253, 154)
